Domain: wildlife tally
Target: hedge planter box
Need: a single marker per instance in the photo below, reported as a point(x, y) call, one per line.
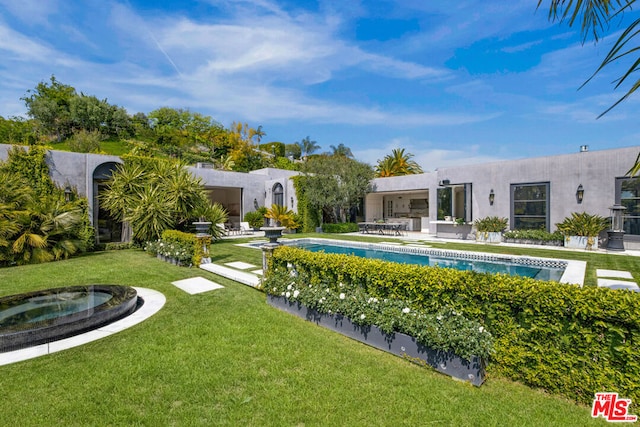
point(397, 343)
point(489, 236)
point(581, 242)
point(534, 242)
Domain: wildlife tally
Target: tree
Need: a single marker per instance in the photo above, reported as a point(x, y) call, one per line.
point(341, 150)
point(596, 17)
point(307, 147)
point(49, 105)
point(153, 195)
point(397, 163)
point(335, 185)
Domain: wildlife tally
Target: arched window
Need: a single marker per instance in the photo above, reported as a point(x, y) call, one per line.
point(278, 195)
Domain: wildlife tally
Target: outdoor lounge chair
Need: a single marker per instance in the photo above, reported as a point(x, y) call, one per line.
point(245, 228)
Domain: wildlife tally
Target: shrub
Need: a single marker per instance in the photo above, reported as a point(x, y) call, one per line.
point(445, 330)
point(344, 227)
point(583, 224)
point(85, 142)
point(541, 235)
point(185, 248)
point(491, 224)
point(117, 246)
point(566, 339)
point(255, 218)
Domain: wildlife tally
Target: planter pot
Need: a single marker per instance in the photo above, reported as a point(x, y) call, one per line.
point(489, 236)
point(581, 242)
point(399, 344)
point(272, 233)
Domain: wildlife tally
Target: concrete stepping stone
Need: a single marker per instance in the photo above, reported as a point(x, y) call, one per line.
point(619, 274)
point(618, 284)
point(240, 265)
point(258, 272)
point(196, 285)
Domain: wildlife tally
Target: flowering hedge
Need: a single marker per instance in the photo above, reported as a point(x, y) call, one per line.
point(566, 339)
point(185, 248)
point(445, 330)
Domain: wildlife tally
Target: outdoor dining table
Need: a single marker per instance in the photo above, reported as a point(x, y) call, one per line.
point(394, 228)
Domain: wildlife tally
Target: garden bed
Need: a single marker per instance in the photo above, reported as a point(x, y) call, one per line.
point(397, 343)
point(534, 242)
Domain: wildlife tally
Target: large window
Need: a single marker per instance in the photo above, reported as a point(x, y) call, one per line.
point(455, 201)
point(530, 206)
point(628, 195)
point(278, 195)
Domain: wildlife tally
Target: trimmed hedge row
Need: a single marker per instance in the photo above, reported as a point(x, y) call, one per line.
point(343, 227)
point(568, 340)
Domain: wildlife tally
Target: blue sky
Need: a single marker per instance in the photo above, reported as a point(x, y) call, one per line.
point(453, 83)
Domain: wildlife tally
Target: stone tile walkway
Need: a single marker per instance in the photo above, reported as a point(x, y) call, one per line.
point(612, 279)
point(196, 285)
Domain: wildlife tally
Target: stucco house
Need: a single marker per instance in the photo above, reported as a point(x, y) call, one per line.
point(532, 193)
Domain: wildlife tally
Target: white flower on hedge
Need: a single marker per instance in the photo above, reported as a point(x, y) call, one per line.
point(406, 310)
point(328, 290)
point(275, 289)
point(342, 296)
point(290, 286)
point(288, 294)
point(341, 285)
point(362, 316)
point(481, 329)
point(296, 293)
point(439, 317)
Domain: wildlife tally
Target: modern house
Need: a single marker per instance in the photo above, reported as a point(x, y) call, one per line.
point(531, 193)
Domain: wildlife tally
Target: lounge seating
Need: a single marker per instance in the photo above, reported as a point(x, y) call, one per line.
point(245, 228)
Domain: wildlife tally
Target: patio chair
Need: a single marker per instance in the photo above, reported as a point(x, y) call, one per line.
point(245, 228)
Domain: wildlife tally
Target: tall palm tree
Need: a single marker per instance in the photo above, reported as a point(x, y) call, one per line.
point(341, 150)
point(307, 147)
point(397, 163)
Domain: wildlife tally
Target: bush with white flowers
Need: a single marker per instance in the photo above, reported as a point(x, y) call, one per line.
point(445, 330)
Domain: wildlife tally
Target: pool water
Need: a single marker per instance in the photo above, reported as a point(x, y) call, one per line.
point(481, 266)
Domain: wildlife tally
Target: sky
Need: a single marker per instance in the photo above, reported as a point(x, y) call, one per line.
point(453, 83)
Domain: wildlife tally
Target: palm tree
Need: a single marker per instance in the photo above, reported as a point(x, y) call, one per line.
point(341, 150)
point(307, 147)
point(385, 167)
point(397, 163)
point(596, 17)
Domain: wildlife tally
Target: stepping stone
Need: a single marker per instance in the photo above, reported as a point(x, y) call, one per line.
point(389, 243)
point(418, 245)
point(240, 265)
point(196, 285)
point(618, 284)
point(613, 273)
point(258, 272)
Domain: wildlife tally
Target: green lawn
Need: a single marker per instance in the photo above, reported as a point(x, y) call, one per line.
point(227, 358)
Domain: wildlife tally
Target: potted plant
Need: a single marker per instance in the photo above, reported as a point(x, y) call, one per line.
point(282, 216)
point(489, 229)
point(581, 230)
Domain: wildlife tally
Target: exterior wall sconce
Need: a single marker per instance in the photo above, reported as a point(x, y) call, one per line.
point(492, 197)
point(255, 204)
point(67, 193)
point(291, 202)
point(579, 194)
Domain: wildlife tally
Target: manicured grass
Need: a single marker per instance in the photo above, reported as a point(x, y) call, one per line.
point(227, 358)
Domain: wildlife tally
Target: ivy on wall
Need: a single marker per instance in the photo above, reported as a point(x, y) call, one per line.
point(310, 218)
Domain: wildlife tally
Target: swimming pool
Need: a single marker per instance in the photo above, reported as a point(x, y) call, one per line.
point(537, 268)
